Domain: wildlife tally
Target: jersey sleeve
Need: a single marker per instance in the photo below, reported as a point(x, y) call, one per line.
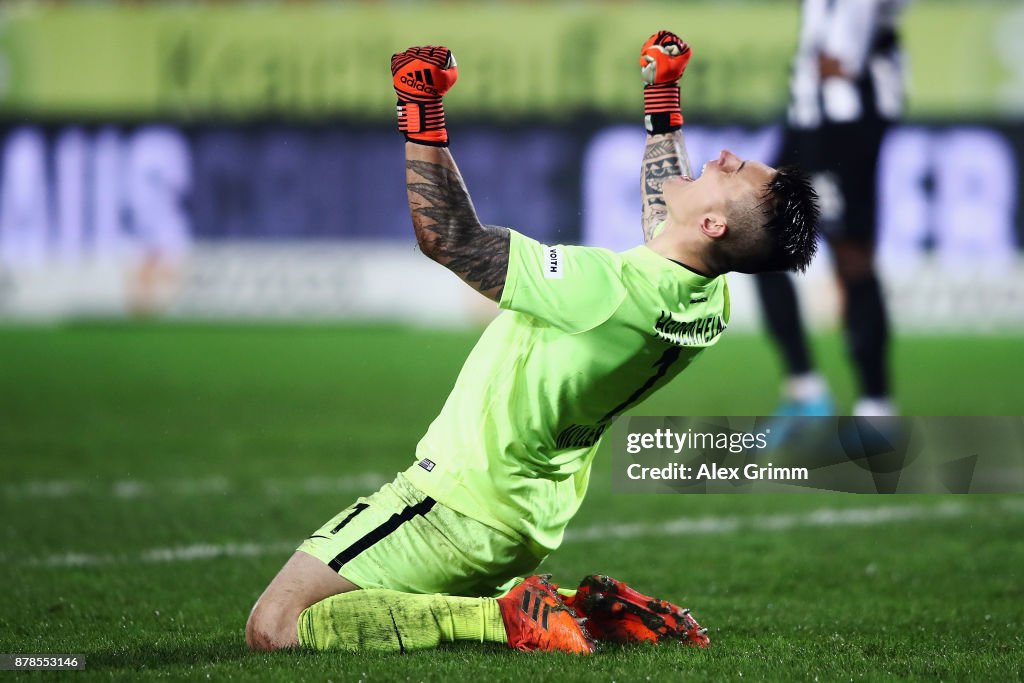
point(572, 288)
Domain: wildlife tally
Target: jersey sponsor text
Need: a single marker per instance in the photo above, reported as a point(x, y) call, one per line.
point(688, 332)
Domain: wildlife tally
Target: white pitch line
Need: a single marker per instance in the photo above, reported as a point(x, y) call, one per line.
point(827, 517)
point(681, 526)
point(1013, 504)
point(51, 488)
point(135, 489)
point(186, 553)
point(205, 551)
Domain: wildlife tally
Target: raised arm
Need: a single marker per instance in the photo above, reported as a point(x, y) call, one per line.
point(443, 216)
point(446, 224)
point(663, 59)
point(664, 157)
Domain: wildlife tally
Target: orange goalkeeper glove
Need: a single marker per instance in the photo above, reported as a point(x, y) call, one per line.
point(421, 75)
point(663, 59)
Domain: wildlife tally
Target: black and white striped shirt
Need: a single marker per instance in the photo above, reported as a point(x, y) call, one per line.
point(862, 36)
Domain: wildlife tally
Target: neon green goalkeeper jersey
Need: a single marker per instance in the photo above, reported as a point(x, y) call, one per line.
point(587, 333)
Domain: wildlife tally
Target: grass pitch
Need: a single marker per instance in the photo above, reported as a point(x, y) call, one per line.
point(154, 478)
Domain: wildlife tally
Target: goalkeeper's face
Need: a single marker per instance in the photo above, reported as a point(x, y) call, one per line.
point(724, 183)
point(750, 217)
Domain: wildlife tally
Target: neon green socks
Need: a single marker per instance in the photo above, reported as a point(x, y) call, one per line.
point(390, 621)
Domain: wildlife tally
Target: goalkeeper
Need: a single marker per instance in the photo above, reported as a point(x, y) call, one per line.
point(586, 334)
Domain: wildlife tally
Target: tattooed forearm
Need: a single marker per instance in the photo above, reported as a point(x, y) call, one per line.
point(447, 227)
point(664, 157)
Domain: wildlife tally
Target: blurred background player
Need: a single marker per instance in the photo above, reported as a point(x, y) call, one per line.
point(847, 88)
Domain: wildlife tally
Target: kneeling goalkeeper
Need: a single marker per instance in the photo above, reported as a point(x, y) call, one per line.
point(586, 334)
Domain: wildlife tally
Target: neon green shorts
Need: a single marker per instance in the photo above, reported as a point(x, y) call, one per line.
point(400, 538)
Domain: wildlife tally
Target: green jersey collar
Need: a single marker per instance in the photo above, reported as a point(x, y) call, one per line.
point(682, 271)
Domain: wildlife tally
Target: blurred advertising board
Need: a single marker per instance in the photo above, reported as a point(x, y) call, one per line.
point(321, 61)
point(279, 220)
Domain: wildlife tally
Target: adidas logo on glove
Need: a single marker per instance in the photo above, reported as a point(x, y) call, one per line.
point(420, 80)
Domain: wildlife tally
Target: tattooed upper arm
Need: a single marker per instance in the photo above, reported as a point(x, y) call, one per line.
point(664, 157)
point(446, 224)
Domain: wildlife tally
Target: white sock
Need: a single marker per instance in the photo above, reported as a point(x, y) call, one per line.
point(805, 388)
point(874, 407)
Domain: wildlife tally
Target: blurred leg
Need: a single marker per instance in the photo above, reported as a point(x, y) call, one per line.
point(804, 391)
point(865, 317)
point(782, 315)
point(852, 231)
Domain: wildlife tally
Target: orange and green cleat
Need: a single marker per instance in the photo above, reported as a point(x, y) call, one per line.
point(536, 618)
point(618, 614)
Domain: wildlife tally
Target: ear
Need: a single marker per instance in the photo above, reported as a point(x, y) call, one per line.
point(713, 225)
